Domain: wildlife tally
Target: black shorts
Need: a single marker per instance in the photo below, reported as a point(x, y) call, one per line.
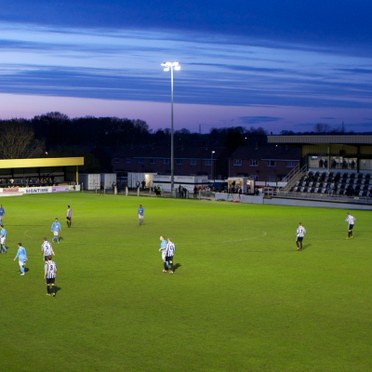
point(50, 280)
point(300, 239)
point(68, 218)
point(169, 258)
point(351, 227)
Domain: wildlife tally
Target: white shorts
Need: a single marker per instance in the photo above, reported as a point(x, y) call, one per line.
point(2, 240)
point(55, 233)
point(163, 255)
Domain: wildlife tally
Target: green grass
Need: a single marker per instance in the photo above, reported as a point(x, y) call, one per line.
point(242, 298)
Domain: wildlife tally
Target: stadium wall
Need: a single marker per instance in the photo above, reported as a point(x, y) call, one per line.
point(314, 203)
point(15, 191)
point(260, 199)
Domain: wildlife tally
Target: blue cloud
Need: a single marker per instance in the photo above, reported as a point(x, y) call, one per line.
point(259, 119)
point(130, 69)
point(328, 22)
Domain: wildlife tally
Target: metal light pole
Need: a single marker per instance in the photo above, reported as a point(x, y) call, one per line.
point(171, 66)
point(212, 165)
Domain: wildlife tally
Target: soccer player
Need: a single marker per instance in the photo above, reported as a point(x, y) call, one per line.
point(141, 214)
point(3, 248)
point(2, 212)
point(350, 225)
point(69, 216)
point(22, 258)
point(56, 228)
point(163, 247)
point(169, 253)
point(300, 233)
point(50, 272)
point(47, 249)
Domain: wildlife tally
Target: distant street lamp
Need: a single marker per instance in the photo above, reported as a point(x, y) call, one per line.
point(212, 167)
point(171, 66)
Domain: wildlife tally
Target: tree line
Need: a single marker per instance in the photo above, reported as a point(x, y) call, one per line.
point(97, 138)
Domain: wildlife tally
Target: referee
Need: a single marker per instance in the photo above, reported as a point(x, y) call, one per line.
point(50, 272)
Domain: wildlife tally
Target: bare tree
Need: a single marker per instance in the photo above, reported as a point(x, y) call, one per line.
point(322, 128)
point(17, 141)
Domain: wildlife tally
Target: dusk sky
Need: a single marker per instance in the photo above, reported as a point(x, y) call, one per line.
point(279, 65)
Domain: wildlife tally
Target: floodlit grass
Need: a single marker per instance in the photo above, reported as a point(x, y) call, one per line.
point(241, 299)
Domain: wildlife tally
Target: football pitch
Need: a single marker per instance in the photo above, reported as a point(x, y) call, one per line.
point(241, 298)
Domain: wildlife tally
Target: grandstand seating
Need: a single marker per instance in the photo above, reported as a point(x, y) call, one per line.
point(335, 183)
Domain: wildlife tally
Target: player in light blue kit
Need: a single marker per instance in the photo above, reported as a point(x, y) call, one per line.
point(162, 249)
point(141, 214)
point(2, 212)
point(3, 248)
point(22, 258)
point(56, 228)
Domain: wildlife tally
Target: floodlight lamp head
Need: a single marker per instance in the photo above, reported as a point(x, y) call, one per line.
point(167, 66)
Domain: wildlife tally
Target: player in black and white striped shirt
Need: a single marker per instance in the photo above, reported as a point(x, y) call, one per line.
point(47, 249)
point(169, 253)
point(300, 234)
point(50, 272)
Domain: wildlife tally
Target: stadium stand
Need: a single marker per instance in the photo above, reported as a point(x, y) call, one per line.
point(335, 183)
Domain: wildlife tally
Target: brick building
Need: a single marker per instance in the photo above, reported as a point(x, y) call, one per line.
point(188, 161)
point(270, 163)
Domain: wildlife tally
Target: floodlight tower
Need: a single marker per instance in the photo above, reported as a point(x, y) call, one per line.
point(171, 67)
point(212, 165)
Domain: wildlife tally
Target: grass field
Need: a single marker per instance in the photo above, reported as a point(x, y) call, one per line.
point(241, 299)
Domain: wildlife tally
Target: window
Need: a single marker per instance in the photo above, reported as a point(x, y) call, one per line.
point(237, 162)
point(271, 163)
point(193, 162)
point(366, 164)
point(253, 162)
point(165, 161)
point(178, 161)
point(291, 164)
